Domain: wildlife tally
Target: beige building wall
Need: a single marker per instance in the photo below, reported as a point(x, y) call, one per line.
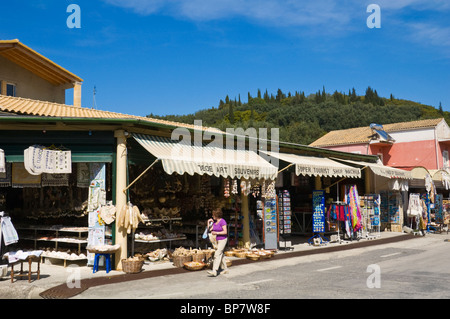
point(29, 85)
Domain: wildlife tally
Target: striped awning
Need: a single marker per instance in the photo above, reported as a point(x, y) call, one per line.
point(381, 170)
point(182, 157)
point(317, 166)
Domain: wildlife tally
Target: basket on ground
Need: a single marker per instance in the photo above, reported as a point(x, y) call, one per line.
point(253, 256)
point(229, 253)
point(242, 254)
point(178, 261)
point(200, 257)
point(194, 265)
point(133, 266)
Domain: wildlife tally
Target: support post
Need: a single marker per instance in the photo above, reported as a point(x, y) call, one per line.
point(245, 220)
point(121, 197)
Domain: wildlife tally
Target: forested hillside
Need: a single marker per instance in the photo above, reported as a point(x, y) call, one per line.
point(302, 119)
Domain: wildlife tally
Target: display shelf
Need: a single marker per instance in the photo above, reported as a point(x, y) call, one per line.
point(57, 236)
point(156, 240)
point(284, 213)
point(160, 240)
point(371, 214)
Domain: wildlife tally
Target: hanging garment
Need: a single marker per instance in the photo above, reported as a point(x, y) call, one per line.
point(5, 178)
point(341, 213)
point(348, 221)
point(2, 161)
point(9, 233)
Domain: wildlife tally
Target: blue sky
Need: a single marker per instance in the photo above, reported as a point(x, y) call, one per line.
point(180, 56)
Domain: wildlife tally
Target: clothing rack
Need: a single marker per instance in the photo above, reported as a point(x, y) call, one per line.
point(339, 203)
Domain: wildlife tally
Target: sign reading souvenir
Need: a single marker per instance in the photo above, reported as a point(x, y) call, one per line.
point(318, 218)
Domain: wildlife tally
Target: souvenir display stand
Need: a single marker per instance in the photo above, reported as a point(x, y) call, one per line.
point(390, 210)
point(284, 216)
point(318, 199)
point(438, 214)
point(370, 205)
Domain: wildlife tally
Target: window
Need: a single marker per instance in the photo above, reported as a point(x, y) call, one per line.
point(445, 159)
point(10, 89)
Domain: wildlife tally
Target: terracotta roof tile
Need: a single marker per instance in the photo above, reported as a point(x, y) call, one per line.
point(361, 134)
point(22, 106)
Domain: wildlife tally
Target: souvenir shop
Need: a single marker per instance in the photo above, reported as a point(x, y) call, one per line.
point(318, 198)
point(385, 202)
point(53, 188)
point(175, 187)
point(428, 207)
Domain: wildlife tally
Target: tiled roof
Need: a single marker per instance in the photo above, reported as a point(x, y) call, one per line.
point(361, 134)
point(22, 106)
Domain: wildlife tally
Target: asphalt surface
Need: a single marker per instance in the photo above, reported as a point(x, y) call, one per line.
point(57, 282)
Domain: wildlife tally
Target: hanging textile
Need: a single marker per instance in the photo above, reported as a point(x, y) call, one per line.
point(5, 178)
point(348, 222)
point(39, 159)
point(96, 196)
point(21, 178)
point(83, 175)
point(9, 233)
point(97, 191)
point(355, 210)
point(2, 161)
point(55, 179)
point(415, 206)
point(337, 212)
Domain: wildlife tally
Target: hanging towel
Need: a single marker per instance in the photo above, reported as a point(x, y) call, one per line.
point(21, 178)
point(55, 179)
point(83, 179)
point(2, 161)
point(5, 178)
point(63, 162)
point(9, 233)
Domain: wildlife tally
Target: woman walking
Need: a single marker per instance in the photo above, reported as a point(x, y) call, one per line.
point(218, 228)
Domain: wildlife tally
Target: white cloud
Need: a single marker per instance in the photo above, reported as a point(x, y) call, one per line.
point(273, 12)
point(319, 16)
point(431, 34)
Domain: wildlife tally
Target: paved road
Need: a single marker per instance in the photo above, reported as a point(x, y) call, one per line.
point(409, 269)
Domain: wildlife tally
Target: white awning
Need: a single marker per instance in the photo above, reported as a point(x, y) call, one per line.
point(180, 157)
point(317, 166)
point(381, 170)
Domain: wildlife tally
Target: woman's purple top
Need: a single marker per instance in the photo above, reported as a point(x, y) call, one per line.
point(219, 227)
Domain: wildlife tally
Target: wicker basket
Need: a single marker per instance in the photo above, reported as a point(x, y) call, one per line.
point(194, 265)
point(178, 261)
point(253, 257)
point(241, 254)
point(198, 257)
point(229, 253)
point(132, 266)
